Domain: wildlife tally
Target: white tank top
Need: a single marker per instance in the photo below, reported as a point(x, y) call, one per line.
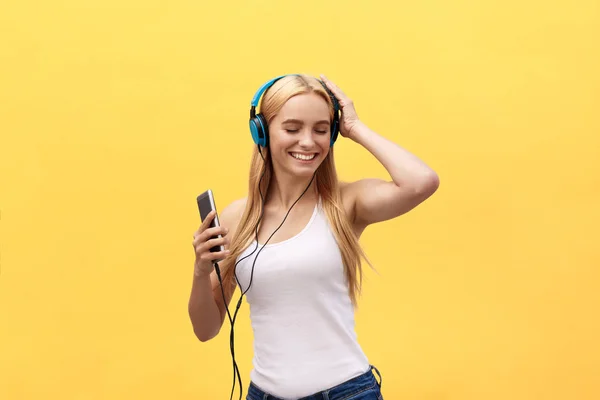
point(301, 313)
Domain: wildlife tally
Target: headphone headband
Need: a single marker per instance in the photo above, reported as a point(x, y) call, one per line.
point(263, 89)
point(258, 124)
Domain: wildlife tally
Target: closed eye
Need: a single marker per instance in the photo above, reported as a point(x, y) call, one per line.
point(297, 130)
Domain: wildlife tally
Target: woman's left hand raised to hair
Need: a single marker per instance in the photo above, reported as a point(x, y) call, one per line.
point(349, 119)
point(411, 180)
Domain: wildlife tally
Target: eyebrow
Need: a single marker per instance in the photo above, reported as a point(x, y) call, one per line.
point(297, 121)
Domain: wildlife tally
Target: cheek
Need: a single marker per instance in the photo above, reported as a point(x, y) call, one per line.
point(323, 140)
point(277, 139)
point(284, 142)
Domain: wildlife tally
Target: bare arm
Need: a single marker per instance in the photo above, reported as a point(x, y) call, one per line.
point(412, 181)
point(206, 307)
point(374, 200)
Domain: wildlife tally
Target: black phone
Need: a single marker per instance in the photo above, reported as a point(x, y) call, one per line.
point(206, 204)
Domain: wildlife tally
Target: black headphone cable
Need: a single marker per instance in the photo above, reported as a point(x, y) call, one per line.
point(239, 303)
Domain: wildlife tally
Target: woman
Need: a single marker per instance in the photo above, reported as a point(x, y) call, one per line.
point(302, 278)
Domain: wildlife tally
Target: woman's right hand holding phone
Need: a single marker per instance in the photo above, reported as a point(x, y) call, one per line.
point(204, 241)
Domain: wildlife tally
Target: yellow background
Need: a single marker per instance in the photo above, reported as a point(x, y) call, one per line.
point(114, 116)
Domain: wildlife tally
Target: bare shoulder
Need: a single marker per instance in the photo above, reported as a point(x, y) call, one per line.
point(230, 216)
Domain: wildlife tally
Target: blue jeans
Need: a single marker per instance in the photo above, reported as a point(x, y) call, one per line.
point(362, 387)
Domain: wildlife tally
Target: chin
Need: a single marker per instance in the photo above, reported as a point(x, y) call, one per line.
point(303, 172)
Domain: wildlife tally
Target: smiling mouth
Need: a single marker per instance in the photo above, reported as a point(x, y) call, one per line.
point(303, 157)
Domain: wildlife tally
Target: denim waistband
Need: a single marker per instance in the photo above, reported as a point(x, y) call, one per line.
point(365, 380)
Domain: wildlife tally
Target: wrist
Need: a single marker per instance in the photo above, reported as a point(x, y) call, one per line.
point(201, 274)
point(357, 130)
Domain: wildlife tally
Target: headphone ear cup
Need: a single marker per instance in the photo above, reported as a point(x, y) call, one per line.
point(335, 123)
point(334, 129)
point(264, 129)
point(259, 130)
point(255, 130)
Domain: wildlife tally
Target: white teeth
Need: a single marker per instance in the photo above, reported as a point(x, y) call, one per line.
point(303, 157)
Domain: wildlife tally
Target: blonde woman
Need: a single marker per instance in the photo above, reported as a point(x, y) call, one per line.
point(292, 245)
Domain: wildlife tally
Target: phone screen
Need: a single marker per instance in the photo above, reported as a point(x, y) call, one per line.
point(206, 203)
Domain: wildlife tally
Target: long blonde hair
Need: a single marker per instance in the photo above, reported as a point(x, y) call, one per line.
point(326, 182)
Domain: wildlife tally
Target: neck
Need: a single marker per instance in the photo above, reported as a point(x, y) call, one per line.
point(284, 191)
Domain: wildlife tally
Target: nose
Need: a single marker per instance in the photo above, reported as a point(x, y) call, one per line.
point(306, 139)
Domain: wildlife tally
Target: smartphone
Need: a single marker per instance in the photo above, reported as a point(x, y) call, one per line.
point(206, 204)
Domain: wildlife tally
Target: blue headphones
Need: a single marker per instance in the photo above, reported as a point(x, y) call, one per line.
point(258, 123)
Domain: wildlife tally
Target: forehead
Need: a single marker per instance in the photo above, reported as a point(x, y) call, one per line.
point(306, 106)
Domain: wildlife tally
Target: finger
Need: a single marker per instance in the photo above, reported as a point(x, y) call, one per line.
point(207, 220)
point(205, 247)
point(217, 230)
point(341, 97)
point(209, 234)
point(334, 88)
point(209, 244)
point(218, 255)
